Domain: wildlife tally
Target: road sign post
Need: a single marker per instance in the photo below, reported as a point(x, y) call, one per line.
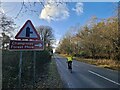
point(34, 65)
point(31, 42)
point(20, 69)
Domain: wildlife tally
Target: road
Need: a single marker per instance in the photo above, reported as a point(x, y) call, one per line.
point(86, 75)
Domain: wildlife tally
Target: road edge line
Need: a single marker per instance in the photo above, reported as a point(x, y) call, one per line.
point(103, 77)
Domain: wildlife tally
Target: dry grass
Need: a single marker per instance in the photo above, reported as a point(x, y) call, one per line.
point(63, 55)
point(111, 64)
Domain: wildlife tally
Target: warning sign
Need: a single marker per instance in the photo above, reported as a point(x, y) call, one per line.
point(28, 31)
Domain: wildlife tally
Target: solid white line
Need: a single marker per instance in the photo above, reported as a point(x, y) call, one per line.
point(103, 77)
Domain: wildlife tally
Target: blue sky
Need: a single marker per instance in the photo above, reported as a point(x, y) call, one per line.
point(71, 18)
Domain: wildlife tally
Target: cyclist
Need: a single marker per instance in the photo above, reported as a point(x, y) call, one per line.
point(69, 61)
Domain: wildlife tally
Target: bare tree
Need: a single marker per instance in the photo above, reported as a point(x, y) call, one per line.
point(46, 34)
point(7, 28)
point(7, 25)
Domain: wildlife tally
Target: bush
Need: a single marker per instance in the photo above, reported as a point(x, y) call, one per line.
point(10, 67)
point(81, 54)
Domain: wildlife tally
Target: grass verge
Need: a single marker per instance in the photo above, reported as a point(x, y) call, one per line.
point(52, 78)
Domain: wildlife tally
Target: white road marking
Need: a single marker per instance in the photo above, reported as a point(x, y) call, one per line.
point(103, 77)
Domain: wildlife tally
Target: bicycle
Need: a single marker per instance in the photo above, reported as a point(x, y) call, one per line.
point(70, 66)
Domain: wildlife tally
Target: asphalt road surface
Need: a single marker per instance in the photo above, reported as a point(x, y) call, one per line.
point(86, 75)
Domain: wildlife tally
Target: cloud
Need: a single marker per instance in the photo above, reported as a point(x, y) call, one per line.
point(1, 10)
point(54, 11)
point(78, 8)
point(56, 43)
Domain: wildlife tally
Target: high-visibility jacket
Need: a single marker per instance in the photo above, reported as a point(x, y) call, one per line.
point(69, 58)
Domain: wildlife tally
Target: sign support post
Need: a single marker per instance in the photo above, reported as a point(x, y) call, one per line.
point(34, 65)
point(20, 69)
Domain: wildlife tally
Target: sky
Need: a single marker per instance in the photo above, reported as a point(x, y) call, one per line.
point(60, 16)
